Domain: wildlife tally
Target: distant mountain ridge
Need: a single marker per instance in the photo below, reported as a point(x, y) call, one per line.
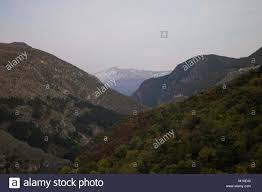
point(181, 83)
point(128, 80)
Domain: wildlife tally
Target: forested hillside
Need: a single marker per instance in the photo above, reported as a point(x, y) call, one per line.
point(48, 127)
point(218, 130)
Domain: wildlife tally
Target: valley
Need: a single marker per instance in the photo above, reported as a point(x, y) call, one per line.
point(71, 122)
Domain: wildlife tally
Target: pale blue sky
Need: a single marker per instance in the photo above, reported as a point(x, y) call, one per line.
point(98, 34)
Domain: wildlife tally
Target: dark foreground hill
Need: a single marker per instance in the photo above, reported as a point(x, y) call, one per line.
point(218, 130)
point(194, 75)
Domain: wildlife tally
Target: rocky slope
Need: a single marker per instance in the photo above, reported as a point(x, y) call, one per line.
point(42, 74)
point(49, 108)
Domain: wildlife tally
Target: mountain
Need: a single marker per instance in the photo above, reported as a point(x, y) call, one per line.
point(50, 108)
point(42, 74)
point(216, 131)
point(128, 80)
point(194, 75)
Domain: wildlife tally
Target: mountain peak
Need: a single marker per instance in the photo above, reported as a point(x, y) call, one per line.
point(204, 73)
point(59, 75)
point(15, 45)
point(257, 53)
point(128, 79)
point(20, 44)
point(114, 68)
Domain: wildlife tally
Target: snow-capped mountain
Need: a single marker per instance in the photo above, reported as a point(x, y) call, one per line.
point(127, 80)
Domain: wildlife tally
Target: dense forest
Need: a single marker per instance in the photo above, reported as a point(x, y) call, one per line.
point(47, 129)
point(216, 131)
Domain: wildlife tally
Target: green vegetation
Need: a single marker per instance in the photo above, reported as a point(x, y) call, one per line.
point(224, 135)
point(52, 125)
point(99, 116)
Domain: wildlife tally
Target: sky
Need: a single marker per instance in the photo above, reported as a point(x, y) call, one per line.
point(95, 35)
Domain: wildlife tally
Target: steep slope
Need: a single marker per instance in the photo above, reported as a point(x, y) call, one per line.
point(49, 105)
point(42, 74)
point(17, 156)
point(55, 125)
point(128, 80)
point(192, 76)
point(218, 130)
